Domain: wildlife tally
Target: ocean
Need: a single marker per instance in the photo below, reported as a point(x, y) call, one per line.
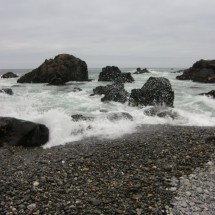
point(54, 105)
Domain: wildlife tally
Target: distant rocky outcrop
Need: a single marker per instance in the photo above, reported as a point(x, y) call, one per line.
point(7, 91)
point(202, 71)
point(141, 71)
point(16, 132)
point(64, 66)
point(157, 91)
point(9, 75)
point(113, 73)
point(114, 92)
point(209, 94)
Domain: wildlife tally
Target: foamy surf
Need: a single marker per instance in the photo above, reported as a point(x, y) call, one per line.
point(54, 105)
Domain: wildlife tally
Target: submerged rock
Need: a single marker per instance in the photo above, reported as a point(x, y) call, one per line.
point(157, 91)
point(8, 91)
point(80, 117)
point(76, 89)
point(17, 132)
point(9, 75)
point(65, 66)
point(202, 71)
point(209, 94)
point(113, 73)
point(115, 116)
point(161, 112)
point(141, 71)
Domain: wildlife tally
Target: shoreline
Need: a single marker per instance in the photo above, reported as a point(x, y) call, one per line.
point(128, 175)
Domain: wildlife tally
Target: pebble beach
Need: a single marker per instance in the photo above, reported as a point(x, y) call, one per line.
point(159, 169)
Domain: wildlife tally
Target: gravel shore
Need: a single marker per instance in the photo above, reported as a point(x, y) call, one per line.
point(159, 169)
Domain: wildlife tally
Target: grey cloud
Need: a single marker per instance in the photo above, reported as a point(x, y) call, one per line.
point(118, 32)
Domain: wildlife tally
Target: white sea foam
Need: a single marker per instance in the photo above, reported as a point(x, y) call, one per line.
point(53, 106)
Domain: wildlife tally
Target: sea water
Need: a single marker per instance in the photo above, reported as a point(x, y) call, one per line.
point(54, 105)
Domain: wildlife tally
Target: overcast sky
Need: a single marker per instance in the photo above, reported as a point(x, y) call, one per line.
point(124, 33)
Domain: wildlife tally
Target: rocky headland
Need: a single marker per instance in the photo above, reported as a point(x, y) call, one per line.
point(202, 71)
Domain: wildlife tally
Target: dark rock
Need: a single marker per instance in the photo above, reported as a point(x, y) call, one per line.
point(210, 139)
point(7, 91)
point(157, 91)
point(80, 117)
point(125, 77)
point(68, 67)
point(202, 71)
point(141, 71)
point(9, 75)
point(116, 93)
point(76, 89)
point(100, 90)
point(210, 94)
point(161, 112)
point(95, 201)
point(113, 73)
point(16, 132)
point(109, 73)
point(57, 80)
point(115, 116)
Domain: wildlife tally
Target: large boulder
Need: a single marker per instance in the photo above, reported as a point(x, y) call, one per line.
point(141, 71)
point(9, 75)
point(114, 74)
point(65, 66)
point(157, 91)
point(114, 92)
point(16, 132)
point(202, 71)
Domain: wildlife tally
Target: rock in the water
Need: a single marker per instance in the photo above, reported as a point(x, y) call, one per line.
point(76, 89)
point(100, 90)
point(141, 71)
point(68, 67)
point(7, 91)
point(16, 132)
point(157, 91)
point(202, 71)
point(161, 112)
point(80, 117)
point(115, 116)
point(9, 75)
point(210, 94)
point(116, 93)
point(113, 73)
